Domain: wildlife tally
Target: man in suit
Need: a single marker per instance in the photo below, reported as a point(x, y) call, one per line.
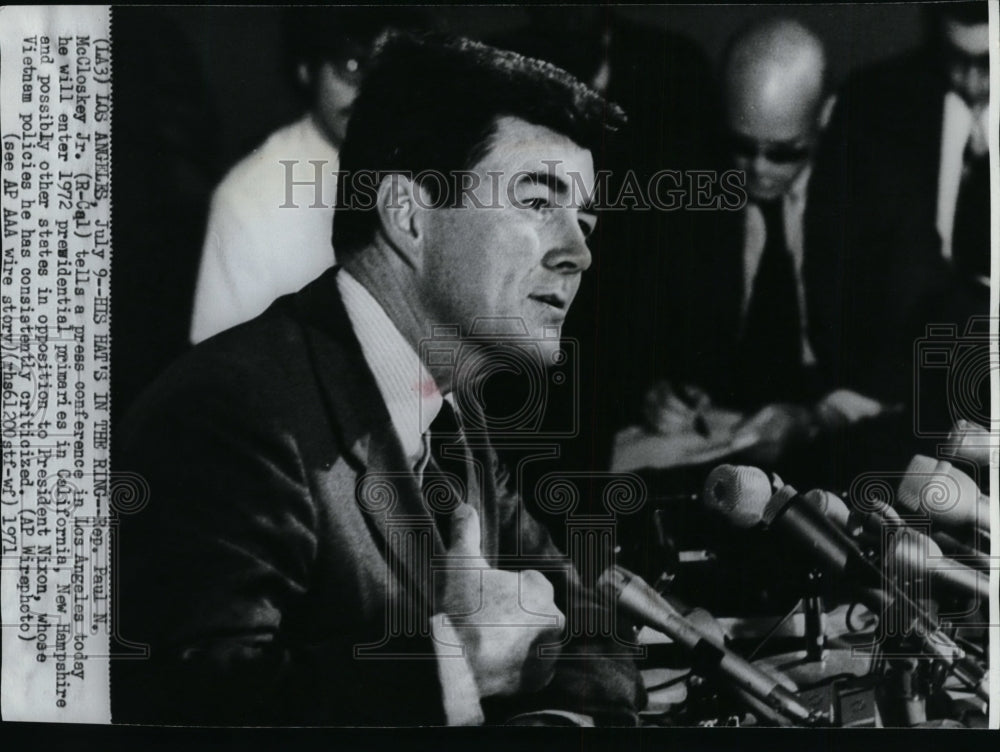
point(900, 237)
point(739, 336)
point(325, 541)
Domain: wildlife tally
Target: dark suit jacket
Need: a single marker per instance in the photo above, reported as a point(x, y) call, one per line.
point(284, 528)
point(703, 289)
point(702, 345)
point(875, 276)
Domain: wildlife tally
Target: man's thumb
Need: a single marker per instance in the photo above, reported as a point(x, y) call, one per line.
point(465, 533)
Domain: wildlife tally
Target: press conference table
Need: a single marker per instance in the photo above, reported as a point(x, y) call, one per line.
point(766, 643)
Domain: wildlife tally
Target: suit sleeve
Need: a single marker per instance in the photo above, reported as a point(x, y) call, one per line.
point(595, 674)
point(210, 571)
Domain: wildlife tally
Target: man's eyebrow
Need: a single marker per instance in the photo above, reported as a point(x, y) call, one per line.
point(557, 185)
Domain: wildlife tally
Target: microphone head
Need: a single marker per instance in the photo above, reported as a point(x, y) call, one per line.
point(874, 517)
point(738, 492)
point(941, 491)
point(907, 544)
point(614, 579)
point(969, 441)
point(887, 513)
point(905, 558)
point(830, 505)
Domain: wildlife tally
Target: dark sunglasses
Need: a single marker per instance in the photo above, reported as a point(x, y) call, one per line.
point(965, 61)
point(777, 153)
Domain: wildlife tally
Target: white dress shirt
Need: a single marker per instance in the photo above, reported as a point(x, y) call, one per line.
point(413, 401)
point(255, 249)
point(957, 125)
point(755, 238)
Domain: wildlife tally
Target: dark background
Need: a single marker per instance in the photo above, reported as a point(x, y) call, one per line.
point(196, 88)
point(238, 49)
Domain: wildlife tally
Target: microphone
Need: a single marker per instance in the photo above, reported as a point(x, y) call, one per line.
point(909, 549)
point(830, 506)
point(969, 441)
point(709, 653)
point(954, 547)
point(744, 495)
point(944, 493)
point(853, 521)
point(747, 498)
point(913, 552)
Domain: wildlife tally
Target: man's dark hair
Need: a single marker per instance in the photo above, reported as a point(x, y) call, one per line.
point(965, 13)
point(934, 17)
point(431, 103)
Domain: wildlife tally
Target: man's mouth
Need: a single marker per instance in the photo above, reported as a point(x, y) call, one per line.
point(550, 299)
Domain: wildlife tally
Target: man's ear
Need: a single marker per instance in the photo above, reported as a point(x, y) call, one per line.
point(826, 111)
point(402, 209)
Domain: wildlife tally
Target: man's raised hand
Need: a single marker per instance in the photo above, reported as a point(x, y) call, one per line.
point(502, 618)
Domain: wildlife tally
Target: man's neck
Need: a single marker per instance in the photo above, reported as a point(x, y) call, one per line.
point(392, 281)
point(325, 132)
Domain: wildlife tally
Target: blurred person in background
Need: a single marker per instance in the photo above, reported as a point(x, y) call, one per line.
point(901, 237)
point(741, 360)
point(270, 220)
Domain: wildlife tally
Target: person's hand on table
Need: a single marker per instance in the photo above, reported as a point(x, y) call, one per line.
point(669, 411)
point(500, 617)
point(772, 430)
point(765, 436)
point(844, 407)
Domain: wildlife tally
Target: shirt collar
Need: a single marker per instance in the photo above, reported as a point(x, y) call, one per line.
point(957, 112)
point(407, 388)
point(796, 193)
point(958, 109)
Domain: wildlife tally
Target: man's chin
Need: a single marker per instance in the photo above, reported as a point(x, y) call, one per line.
point(550, 349)
point(764, 193)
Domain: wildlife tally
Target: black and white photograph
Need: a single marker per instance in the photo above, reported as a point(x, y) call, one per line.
point(505, 365)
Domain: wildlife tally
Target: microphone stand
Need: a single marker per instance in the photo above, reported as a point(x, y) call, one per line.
point(812, 610)
point(902, 700)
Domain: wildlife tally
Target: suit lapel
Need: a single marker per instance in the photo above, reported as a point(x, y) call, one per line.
point(386, 492)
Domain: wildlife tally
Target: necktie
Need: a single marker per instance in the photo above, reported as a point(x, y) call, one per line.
point(445, 478)
point(970, 235)
point(771, 345)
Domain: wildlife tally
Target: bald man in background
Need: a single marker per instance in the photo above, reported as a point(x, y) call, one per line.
point(739, 339)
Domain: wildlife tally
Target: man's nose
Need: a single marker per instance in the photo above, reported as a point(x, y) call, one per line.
point(571, 253)
point(759, 165)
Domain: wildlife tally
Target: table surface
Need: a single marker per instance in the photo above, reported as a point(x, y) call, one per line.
point(848, 652)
